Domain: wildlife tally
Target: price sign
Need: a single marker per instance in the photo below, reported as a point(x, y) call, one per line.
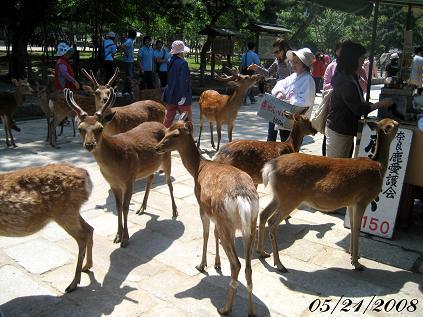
point(379, 218)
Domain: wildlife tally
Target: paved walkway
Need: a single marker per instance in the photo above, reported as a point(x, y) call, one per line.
point(155, 274)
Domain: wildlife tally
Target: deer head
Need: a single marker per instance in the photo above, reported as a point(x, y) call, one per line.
point(91, 127)
point(22, 86)
point(100, 92)
point(301, 121)
point(176, 135)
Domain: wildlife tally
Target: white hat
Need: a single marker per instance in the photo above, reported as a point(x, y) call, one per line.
point(394, 56)
point(112, 34)
point(63, 48)
point(304, 54)
point(179, 47)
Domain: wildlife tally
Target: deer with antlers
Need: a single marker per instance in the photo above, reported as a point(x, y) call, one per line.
point(251, 155)
point(227, 196)
point(126, 117)
point(123, 158)
point(9, 101)
point(326, 184)
point(218, 108)
point(32, 197)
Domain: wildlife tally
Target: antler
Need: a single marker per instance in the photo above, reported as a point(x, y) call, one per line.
point(90, 78)
point(109, 84)
point(110, 101)
point(72, 104)
point(227, 78)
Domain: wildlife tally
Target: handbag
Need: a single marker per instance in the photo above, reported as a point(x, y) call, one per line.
point(318, 120)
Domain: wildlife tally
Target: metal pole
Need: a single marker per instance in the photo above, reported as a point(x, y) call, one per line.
point(372, 49)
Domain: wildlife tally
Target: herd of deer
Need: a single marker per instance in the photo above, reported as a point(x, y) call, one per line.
point(130, 143)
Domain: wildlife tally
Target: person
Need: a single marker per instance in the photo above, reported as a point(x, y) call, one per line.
point(161, 56)
point(248, 58)
point(417, 68)
point(298, 88)
point(326, 58)
point(127, 49)
point(178, 92)
point(347, 103)
point(366, 66)
point(109, 51)
point(63, 73)
point(145, 61)
point(393, 66)
point(282, 68)
point(318, 70)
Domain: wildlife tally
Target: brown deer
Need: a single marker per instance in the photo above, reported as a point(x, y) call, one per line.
point(123, 158)
point(219, 108)
point(126, 117)
point(225, 195)
point(32, 197)
point(325, 184)
point(251, 155)
point(9, 101)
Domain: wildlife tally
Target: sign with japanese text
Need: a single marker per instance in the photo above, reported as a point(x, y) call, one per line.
point(272, 109)
point(379, 218)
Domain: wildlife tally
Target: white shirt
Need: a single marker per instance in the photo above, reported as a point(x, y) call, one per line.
point(299, 90)
point(416, 70)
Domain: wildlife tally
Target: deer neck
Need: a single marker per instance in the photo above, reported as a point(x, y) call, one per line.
point(295, 137)
point(237, 97)
point(191, 157)
point(382, 155)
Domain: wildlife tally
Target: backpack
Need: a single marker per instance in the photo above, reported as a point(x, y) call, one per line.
point(318, 120)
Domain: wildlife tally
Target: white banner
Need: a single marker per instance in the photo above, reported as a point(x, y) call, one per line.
point(272, 109)
point(379, 218)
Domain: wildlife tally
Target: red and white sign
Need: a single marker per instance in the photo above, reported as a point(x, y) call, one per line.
point(379, 218)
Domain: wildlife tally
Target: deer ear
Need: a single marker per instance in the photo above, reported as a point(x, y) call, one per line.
point(107, 119)
point(388, 128)
point(372, 125)
point(88, 89)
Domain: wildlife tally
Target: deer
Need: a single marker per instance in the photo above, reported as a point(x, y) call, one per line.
point(219, 108)
point(226, 195)
point(125, 117)
point(9, 101)
point(251, 155)
point(325, 184)
point(32, 197)
point(123, 158)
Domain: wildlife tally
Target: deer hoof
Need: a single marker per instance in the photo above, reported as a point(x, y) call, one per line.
point(359, 267)
point(224, 311)
point(71, 287)
point(141, 211)
point(124, 244)
point(175, 214)
point(263, 254)
point(86, 268)
point(281, 268)
point(201, 267)
point(117, 238)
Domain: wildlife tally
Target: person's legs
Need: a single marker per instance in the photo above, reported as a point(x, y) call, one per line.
point(271, 132)
point(127, 80)
point(284, 134)
point(149, 80)
point(163, 79)
point(108, 70)
point(337, 144)
point(170, 115)
point(251, 95)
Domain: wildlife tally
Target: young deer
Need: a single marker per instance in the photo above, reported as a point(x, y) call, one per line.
point(325, 184)
point(125, 117)
point(32, 197)
point(251, 155)
point(225, 195)
point(220, 108)
point(123, 158)
point(9, 101)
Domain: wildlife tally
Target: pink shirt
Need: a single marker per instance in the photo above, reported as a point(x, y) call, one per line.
point(327, 78)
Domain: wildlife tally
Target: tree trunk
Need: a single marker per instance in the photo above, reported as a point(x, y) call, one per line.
point(203, 57)
point(19, 55)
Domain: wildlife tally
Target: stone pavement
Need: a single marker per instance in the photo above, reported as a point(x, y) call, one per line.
point(155, 274)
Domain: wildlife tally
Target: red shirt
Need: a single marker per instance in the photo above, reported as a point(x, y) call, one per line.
point(318, 68)
point(58, 83)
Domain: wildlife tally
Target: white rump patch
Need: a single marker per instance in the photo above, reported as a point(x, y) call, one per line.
point(266, 173)
point(242, 211)
point(51, 105)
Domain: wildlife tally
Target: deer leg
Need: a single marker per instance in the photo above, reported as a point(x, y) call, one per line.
point(118, 197)
point(211, 134)
point(89, 248)
point(227, 237)
point(248, 238)
point(274, 221)
point(73, 126)
point(6, 133)
point(147, 192)
point(358, 213)
point(206, 226)
point(350, 215)
point(167, 168)
point(201, 130)
point(217, 264)
point(219, 134)
point(230, 128)
point(61, 128)
point(48, 129)
point(127, 195)
point(72, 225)
point(9, 128)
point(264, 216)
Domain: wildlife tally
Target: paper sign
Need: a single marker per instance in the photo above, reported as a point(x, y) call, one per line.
point(272, 109)
point(379, 218)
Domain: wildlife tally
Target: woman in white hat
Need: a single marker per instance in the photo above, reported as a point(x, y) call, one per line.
point(63, 72)
point(178, 92)
point(298, 88)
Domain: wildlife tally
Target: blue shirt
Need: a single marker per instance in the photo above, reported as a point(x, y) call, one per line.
point(249, 58)
point(109, 49)
point(178, 82)
point(145, 57)
point(129, 56)
point(164, 53)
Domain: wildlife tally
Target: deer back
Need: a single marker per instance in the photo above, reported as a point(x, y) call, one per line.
point(213, 105)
